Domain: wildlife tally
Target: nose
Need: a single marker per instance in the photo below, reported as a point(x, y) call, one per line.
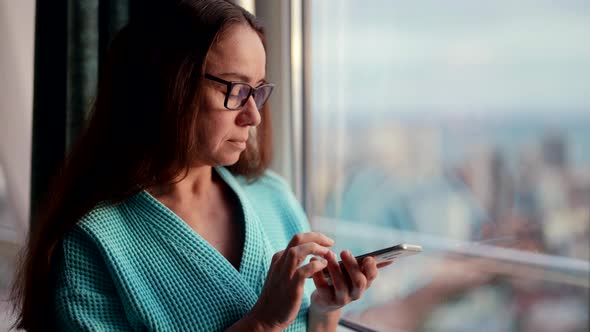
point(249, 114)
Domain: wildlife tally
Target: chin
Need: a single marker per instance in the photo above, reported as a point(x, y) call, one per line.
point(229, 160)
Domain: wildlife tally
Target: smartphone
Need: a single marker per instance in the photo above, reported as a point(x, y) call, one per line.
point(386, 254)
point(391, 253)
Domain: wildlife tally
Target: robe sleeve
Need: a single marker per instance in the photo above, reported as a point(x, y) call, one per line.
point(86, 298)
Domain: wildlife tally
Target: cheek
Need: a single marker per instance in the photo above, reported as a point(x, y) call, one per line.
point(212, 100)
point(213, 132)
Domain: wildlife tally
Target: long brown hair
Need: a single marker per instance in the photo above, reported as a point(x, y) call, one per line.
point(141, 132)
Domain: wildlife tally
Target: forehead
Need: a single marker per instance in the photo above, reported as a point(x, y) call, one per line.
point(238, 50)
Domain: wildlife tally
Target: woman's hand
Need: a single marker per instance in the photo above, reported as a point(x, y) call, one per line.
point(282, 293)
point(348, 284)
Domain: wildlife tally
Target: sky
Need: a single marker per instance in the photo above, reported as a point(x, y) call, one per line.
point(450, 56)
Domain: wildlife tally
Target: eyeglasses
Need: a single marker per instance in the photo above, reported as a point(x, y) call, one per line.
point(238, 93)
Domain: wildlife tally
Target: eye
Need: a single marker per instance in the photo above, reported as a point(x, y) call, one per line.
point(238, 95)
point(239, 91)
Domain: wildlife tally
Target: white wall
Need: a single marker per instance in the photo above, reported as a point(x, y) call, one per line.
point(17, 27)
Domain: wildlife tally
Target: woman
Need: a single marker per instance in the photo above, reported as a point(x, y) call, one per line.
point(165, 217)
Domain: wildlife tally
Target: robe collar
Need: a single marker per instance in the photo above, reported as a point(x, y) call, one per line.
point(256, 255)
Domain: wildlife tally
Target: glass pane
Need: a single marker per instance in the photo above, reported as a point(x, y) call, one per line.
point(464, 127)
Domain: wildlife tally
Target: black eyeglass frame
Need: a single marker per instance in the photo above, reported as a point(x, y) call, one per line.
point(229, 86)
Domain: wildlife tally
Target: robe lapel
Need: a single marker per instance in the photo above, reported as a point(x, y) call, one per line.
point(247, 283)
point(257, 253)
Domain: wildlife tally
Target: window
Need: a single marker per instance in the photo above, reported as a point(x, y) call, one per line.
point(462, 126)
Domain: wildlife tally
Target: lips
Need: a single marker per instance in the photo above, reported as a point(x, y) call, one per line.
point(239, 140)
point(238, 143)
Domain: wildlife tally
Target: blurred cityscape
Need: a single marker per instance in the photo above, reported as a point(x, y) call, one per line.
point(498, 170)
point(470, 179)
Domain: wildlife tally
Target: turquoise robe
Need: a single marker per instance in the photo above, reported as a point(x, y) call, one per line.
point(137, 266)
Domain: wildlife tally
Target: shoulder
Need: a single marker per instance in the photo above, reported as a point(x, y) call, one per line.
point(112, 222)
point(102, 217)
point(104, 220)
point(270, 187)
point(270, 181)
point(104, 236)
point(273, 199)
point(103, 227)
point(81, 258)
point(103, 213)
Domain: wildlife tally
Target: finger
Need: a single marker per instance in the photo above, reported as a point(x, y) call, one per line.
point(384, 264)
point(316, 237)
point(320, 280)
point(338, 281)
point(307, 270)
point(358, 281)
point(277, 256)
point(275, 267)
point(369, 268)
point(296, 255)
point(321, 283)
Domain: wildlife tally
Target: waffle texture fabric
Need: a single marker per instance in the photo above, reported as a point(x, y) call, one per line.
point(136, 266)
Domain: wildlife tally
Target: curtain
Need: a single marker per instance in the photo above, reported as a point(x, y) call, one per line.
point(71, 37)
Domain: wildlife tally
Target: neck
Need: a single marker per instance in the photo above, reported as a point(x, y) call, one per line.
point(196, 185)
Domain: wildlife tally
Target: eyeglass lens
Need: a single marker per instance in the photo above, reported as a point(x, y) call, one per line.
point(239, 94)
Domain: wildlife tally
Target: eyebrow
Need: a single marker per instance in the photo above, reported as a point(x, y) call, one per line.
point(242, 77)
